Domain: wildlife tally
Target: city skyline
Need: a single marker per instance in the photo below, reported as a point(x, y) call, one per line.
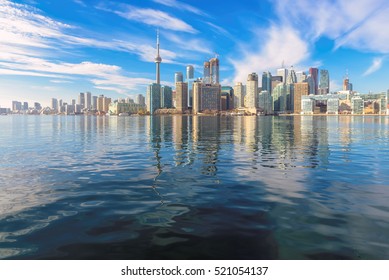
point(46, 51)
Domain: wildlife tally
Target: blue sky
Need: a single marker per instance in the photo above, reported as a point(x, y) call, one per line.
point(60, 48)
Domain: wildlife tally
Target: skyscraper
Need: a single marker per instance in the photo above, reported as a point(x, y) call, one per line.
point(324, 82)
point(251, 91)
point(81, 99)
point(178, 77)
point(189, 72)
point(158, 61)
point(292, 78)
point(166, 97)
point(266, 81)
point(207, 73)
point(153, 97)
point(140, 99)
point(283, 72)
point(300, 89)
point(239, 93)
point(94, 102)
point(214, 66)
point(88, 100)
point(54, 104)
point(314, 72)
point(181, 96)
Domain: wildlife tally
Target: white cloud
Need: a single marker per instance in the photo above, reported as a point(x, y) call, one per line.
point(376, 65)
point(153, 17)
point(271, 47)
point(80, 2)
point(193, 45)
point(181, 6)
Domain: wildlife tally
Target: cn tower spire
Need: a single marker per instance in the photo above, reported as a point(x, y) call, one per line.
point(158, 61)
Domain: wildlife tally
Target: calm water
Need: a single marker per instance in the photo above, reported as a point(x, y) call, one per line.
point(182, 187)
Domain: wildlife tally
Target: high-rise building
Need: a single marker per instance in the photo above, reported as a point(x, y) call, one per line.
point(282, 72)
point(16, 106)
point(181, 96)
point(153, 98)
point(324, 87)
point(37, 106)
point(25, 106)
point(301, 76)
point(251, 91)
point(73, 102)
point(158, 61)
point(207, 73)
point(279, 98)
point(227, 98)
point(311, 84)
point(189, 72)
point(239, 94)
point(94, 102)
point(106, 102)
point(100, 103)
point(197, 89)
point(333, 106)
point(300, 89)
point(178, 77)
point(166, 97)
point(140, 99)
point(54, 104)
point(88, 100)
point(314, 72)
point(275, 80)
point(214, 66)
point(210, 97)
point(292, 78)
point(387, 102)
point(81, 99)
point(265, 102)
point(267, 82)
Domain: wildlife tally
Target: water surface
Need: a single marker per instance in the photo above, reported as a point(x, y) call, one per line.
point(194, 187)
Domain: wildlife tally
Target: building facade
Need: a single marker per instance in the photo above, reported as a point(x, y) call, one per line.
point(153, 98)
point(251, 91)
point(239, 94)
point(181, 96)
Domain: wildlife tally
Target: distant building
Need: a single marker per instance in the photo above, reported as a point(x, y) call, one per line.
point(116, 108)
point(37, 106)
point(94, 103)
point(25, 106)
point(211, 71)
point(357, 105)
point(265, 102)
point(324, 87)
point(239, 94)
point(178, 77)
point(54, 104)
point(140, 99)
point(227, 98)
point(88, 101)
point(333, 106)
point(16, 106)
point(81, 99)
point(166, 97)
point(153, 97)
point(206, 97)
point(311, 84)
point(181, 96)
point(282, 72)
point(267, 82)
point(307, 105)
point(301, 76)
point(189, 72)
point(251, 91)
point(300, 89)
point(314, 73)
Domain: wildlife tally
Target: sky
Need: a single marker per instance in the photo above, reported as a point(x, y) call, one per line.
point(57, 49)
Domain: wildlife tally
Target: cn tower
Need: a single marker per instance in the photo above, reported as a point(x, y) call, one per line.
point(158, 61)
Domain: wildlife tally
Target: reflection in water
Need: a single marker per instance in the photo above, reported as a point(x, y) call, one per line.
point(194, 187)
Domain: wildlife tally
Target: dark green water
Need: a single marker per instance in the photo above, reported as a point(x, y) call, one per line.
point(182, 187)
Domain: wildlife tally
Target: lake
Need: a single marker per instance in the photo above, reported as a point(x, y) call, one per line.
point(194, 187)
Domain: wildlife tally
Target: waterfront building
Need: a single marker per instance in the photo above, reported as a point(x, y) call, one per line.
point(69, 109)
point(94, 102)
point(100, 103)
point(227, 98)
point(333, 106)
point(54, 104)
point(25, 106)
point(106, 102)
point(324, 87)
point(267, 81)
point(206, 97)
point(279, 98)
point(153, 97)
point(78, 108)
point(166, 97)
point(214, 67)
point(300, 89)
point(357, 105)
point(73, 102)
point(307, 105)
point(251, 91)
point(382, 104)
point(16, 106)
point(239, 94)
point(265, 102)
point(140, 99)
point(88, 101)
point(314, 73)
point(182, 97)
point(37, 106)
point(311, 84)
point(116, 108)
point(178, 77)
point(81, 99)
